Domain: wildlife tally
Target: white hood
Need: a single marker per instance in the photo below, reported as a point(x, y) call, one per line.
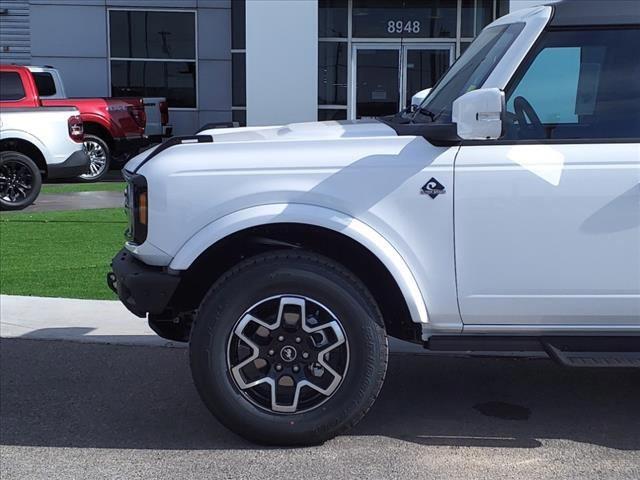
point(303, 131)
point(293, 132)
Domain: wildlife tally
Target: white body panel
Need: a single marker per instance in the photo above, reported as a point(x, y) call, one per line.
point(45, 127)
point(372, 178)
point(549, 234)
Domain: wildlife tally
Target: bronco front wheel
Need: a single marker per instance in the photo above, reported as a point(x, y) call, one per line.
point(288, 348)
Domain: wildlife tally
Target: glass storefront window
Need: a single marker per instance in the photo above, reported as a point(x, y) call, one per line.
point(325, 114)
point(238, 24)
point(404, 18)
point(333, 18)
point(378, 82)
point(332, 73)
point(153, 54)
point(476, 14)
point(152, 34)
point(374, 55)
point(176, 81)
point(238, 62)
point(424, 69)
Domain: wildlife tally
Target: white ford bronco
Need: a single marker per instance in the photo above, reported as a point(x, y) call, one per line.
point(503, 214)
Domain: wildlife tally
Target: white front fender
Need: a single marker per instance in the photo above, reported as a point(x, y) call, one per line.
point(316, 216)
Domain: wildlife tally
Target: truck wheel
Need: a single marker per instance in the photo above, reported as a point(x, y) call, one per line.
point(288, 348)
point(99, 156)
point(20, 181)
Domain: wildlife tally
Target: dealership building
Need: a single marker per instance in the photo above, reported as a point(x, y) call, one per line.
point(256, 62)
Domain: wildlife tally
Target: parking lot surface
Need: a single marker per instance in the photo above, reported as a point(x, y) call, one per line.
point(71, 410)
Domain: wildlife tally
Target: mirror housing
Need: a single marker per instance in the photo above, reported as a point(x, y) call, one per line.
point(479, 114)
point(419, 97)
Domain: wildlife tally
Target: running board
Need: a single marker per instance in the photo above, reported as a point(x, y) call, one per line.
point(594, 359)
point(570, 351)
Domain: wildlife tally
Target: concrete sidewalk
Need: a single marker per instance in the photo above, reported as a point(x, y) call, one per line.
point(88, 321)
point(93, 321)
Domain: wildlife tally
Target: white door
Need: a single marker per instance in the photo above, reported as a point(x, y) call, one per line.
point(547, 221)
point(386, 75)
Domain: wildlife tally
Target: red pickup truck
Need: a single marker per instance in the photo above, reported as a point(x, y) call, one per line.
point(114, 127)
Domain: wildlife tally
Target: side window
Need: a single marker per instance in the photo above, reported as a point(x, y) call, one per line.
point(557, 104)
point(11, 88)
point(578, 85)
point(45, 84)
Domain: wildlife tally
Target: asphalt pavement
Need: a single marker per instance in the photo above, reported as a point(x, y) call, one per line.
point(72, 410)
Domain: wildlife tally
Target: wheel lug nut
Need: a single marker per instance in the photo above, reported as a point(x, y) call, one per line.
point(271, 353)
point(305, 355)
point(278, 367)
point(296, 368)
point(281, 338)
point(298, 339)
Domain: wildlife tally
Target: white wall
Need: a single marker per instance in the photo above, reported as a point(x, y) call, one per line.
point(282, 61)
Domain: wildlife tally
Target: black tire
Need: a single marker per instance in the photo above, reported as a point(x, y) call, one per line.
point(100, 159)
point(291, 273)
point(18, 171)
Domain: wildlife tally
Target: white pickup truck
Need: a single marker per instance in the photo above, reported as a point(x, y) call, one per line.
point(502, 215)
point(37, 143)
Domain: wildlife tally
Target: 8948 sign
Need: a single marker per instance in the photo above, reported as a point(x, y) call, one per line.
point(400, 26)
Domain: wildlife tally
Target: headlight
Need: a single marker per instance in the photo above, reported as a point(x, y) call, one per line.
point(137, 206)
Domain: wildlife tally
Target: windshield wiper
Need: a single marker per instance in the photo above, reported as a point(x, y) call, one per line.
point(427, 113)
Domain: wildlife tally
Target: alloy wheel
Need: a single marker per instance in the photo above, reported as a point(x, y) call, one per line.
point(288, 354)
point(16, 181)
point(97, 160)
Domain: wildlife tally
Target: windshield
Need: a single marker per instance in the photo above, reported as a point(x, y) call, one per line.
point(468, 73)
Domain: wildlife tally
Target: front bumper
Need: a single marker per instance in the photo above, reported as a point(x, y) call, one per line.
point(141, 288)
point(76, 164)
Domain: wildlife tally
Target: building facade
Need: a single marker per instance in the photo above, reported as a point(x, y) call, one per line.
point(256, 62)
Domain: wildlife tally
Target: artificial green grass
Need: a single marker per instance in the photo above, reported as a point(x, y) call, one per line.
point(83, 187)
point(60, 254)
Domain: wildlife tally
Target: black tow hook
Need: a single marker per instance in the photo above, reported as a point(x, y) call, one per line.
point(112, 282)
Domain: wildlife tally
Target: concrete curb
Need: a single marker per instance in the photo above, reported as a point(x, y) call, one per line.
point(93, 321)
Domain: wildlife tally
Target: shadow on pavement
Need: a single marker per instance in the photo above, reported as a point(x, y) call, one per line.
point(62, 394)
point(87, 335)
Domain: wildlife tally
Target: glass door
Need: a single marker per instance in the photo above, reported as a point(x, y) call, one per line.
point(377, 80)
point(423, 66)
point(386, 76)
